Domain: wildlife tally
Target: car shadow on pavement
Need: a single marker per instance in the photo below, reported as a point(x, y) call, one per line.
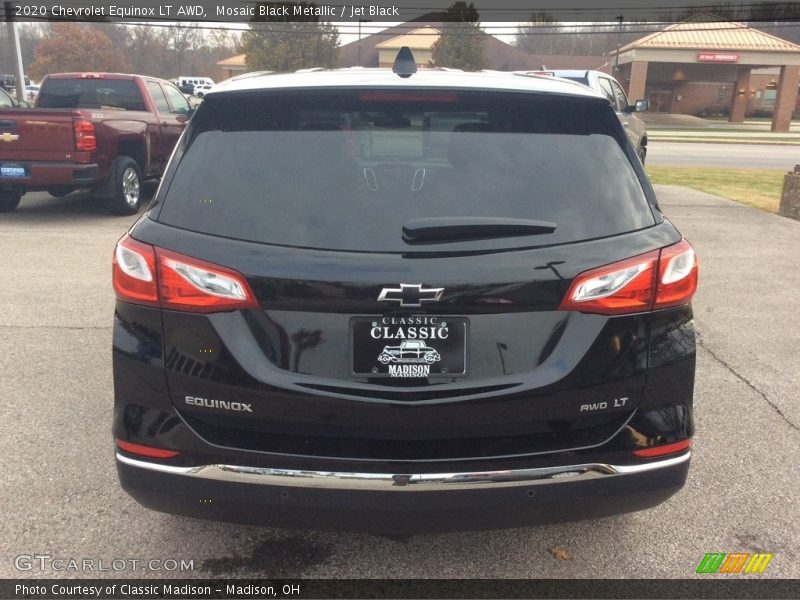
point(561, 550)
point(41, 207)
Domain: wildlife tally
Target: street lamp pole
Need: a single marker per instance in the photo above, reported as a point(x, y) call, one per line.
point(619, 45)
point(14, 38)
point(360, 21)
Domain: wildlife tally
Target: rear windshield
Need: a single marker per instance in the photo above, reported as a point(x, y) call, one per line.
point(346, 170)
point(105, 94)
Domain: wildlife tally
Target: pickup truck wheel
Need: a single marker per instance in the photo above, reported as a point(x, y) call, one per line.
point(9, 200)
point(642, 152)
point(127, 195)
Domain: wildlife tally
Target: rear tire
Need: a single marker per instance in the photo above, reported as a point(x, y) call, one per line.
point(126, 197)
point(9, 200)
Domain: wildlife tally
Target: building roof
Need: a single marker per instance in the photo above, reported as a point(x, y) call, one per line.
point(234, 61)
point(705, 31)
point(422, 38)
point(499, 55)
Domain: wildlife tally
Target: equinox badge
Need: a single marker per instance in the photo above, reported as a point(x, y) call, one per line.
point(410, 295)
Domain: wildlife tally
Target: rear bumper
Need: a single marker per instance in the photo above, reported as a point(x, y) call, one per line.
point(43, 175)
point(401, 503)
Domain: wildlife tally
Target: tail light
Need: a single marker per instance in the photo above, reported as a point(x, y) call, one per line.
point(677, 277)
point(85, 140)
point(664, 449)
point(658, 279)
point(134, 272)
point(144, 274)
point(193, 285)
point(148, 451)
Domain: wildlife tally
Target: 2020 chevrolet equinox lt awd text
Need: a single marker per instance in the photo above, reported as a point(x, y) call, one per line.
point(433, 302)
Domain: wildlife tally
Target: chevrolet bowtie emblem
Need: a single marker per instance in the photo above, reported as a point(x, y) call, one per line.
point(8, 137)
point(410, 295)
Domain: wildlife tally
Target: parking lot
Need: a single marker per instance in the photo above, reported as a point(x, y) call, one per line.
point(61, 498)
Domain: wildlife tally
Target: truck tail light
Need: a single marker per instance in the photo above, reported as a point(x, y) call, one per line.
point(85, 140)
point(152, 276)
point(657, 279)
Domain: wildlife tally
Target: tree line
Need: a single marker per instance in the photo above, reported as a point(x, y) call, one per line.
point(159, 50)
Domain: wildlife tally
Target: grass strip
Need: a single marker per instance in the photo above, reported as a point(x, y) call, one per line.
point(760, 188)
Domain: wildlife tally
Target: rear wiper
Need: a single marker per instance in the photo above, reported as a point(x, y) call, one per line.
point(454, 229)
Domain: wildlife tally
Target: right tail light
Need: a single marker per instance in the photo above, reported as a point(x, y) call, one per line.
point(657, 279)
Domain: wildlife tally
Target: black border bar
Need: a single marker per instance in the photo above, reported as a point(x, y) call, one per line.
point(351, 11)
point(733, 587)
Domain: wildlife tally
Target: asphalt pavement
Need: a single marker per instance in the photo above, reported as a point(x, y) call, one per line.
point(729, 156)
point(60, 495)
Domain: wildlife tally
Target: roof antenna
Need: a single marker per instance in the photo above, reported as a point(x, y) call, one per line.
point(404, 64)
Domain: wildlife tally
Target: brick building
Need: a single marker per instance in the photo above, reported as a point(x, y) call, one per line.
point(706, 65)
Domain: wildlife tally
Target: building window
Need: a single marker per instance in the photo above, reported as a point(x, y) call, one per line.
point(769, 98)
point(723, 94)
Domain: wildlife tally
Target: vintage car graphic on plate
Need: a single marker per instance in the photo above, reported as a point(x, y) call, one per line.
point(412, 346)
point(409, 352)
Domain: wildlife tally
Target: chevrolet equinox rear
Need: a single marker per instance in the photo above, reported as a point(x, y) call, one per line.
point(442, 301)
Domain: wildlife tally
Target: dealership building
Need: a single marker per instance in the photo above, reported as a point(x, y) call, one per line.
point(702, 66)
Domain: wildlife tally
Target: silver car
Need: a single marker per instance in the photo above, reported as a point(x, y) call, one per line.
point(611, 89)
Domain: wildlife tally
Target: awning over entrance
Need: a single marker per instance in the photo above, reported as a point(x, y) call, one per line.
point(703, 49)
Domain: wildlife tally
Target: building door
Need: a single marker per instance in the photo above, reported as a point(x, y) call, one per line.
point(660, 100)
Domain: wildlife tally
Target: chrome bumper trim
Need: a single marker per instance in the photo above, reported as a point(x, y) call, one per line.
point(404, 481)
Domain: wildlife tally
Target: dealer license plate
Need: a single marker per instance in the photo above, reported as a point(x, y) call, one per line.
point(9, 170)
point(418, 346)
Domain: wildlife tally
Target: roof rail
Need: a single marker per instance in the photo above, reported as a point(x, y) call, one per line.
point(248, 75)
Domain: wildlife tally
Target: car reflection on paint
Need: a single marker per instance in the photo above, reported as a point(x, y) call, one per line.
point(409, 351)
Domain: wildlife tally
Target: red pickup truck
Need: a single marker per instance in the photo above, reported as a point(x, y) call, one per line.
point(105, 132)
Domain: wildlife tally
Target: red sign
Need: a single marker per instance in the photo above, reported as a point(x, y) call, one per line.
point(722, 57)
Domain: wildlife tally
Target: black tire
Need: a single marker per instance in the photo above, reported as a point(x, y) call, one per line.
point(60, 192)
point(642, 152)
point(9, 200)
point(126, 196)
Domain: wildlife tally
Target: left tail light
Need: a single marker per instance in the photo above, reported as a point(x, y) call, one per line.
point(657, 279)
point(85, 139)
point(145, 274)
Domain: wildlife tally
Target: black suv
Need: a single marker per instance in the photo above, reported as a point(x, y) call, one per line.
point(313, 229)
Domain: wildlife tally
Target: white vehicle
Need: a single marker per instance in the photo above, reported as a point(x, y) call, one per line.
point(202, 89)
point(195, 81)
point(31, 91)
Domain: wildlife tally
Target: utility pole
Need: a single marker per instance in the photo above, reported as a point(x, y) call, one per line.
point(619, 45)
point(14, 38)
point(360, 21)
